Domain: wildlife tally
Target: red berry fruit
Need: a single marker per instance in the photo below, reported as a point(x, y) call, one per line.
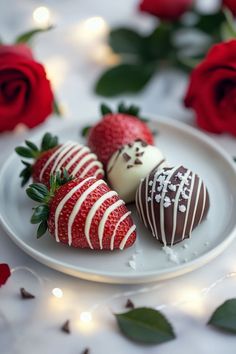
point(52, 157)
point(116, 130)
point(83, 213)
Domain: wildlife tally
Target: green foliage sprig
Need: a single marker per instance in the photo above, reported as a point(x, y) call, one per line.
point(142, 56)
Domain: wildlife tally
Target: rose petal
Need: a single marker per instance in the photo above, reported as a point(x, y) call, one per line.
point(4, 273)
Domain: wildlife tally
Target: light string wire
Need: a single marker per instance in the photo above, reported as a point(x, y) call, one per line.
point(127, 294)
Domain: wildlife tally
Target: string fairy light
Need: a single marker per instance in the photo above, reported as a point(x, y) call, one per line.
point(57, 292)
point(191, 297)
point(42, 16)
point(86, 317)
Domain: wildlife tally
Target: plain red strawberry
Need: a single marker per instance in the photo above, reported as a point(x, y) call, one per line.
point(51, 157)
point(59, 209)
point(116, 130)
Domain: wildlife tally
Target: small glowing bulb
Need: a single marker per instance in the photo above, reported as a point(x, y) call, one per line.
point(86, 317)
point(41, 16)
point(57, 292)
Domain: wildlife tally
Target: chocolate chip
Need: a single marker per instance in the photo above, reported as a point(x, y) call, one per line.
point(130, 166)
point(126, 156)
point(138, 154)
point(66, 327)
point(25, 294)
point(143, 143)
point(129, 304)
point(86, 351)
point(138, 162)
point(137, 149)
point(130, 145)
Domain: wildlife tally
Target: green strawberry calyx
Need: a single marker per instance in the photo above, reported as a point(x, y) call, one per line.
point(32, 151)
point(41, 194)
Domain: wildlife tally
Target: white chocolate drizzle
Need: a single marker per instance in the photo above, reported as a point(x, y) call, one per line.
point(176, 203)
point(77, 156)
point(196, 205)
point(63, 202)
point(66, 156)
point(90, 166)
point(105, 217)
point(94, 209)
point(65, 152)
point(125, 239)
point(162, 221)
point(77, 207)
point(82, 162)
point(116, 228)
point(51, 158)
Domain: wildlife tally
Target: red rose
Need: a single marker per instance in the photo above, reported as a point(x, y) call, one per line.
point(25, 92)
point(212, 90)
point(231, 4)
point(4, 273)
point(169, 10)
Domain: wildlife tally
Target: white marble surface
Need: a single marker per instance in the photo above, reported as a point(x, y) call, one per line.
point(33, 326)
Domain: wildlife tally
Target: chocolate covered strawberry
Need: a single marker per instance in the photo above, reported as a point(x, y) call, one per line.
point(82, 213)
point(116, 130)
point(51, 157)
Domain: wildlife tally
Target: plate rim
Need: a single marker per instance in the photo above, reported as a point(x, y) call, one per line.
point(143, 276)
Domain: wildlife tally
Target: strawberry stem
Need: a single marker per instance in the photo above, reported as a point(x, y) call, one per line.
point(40, 193)
point(32, 151)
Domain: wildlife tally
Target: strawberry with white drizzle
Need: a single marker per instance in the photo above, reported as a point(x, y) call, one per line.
point(51, 157)
point(83, 213)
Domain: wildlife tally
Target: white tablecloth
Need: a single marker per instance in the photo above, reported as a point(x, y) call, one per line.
point(34, 326)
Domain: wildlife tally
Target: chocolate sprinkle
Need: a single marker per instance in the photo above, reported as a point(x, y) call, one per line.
point(130, 166)
point(138, 154)
point(25, 294)
point(138, 162)
point(130, 145)
point(129, 304)
point(66, 327)
point(143, 143)
point(126, 156)
point(86, 351)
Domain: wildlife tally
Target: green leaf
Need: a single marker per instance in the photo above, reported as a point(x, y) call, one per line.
point(41, 188)
point(56, 108)
point(224, 316)
point(126, 41)
point(145, 325)
point(124, 78)
point(85, 130)
point(31, 145)
point(40, 214)
point(24, 152)
point(48, 142)
point(25, 173)
point(34, 194)
point(42, 229)
point(158, 45)
point(210, 23)
point(27, 36)
point(105, 109)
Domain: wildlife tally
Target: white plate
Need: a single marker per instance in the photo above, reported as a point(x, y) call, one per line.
point(181, 145)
